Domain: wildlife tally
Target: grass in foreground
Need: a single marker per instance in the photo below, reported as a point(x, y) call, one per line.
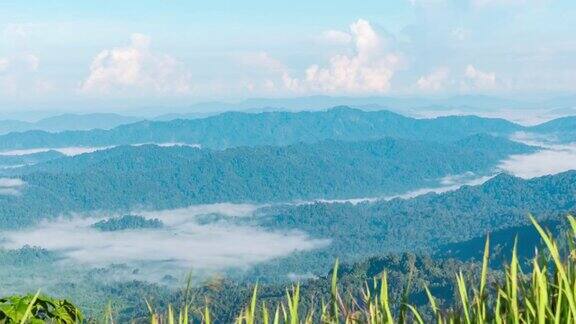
point(545, 295)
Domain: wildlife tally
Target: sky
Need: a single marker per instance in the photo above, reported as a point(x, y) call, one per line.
point(93, 54)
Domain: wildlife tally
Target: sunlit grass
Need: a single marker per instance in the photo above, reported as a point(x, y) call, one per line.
point(546, 293)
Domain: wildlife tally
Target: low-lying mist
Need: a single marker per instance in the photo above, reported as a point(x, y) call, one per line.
point(445, 184)
point(551, 159)
point(77, 150)
point(186, 242)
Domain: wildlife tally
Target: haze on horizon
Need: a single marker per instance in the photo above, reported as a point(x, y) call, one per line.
point(116, 56)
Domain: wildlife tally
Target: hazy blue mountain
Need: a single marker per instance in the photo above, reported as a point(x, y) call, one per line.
point(480, 102)
point(561, 129)
point(234, 129)
point(562, 124)
point(159, 177)
point(84, 122)
point(10, 125)
point(65, 122)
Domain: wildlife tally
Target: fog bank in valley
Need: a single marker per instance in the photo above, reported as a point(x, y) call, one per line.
point(197, 238)
point(551, 159)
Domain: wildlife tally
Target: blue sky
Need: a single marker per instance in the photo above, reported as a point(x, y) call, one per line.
point(101, 53)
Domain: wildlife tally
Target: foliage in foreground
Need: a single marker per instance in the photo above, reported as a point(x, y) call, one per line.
point(38, 309)
point(546, 295)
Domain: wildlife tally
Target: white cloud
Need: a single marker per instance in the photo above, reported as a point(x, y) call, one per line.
point(445, 184)
point(136, 68)
point(11, 186)
point(262, 60)
point(433, 82)
point(77, 150)
point(183, 243)
point(369, 70)
point(552, 159)
point(337, 37)
point(480, 80)
point(18, 75)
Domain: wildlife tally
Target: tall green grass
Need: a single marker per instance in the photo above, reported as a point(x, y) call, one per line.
point(545, 294)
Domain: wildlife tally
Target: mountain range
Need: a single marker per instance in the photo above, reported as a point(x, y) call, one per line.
point(68, 121)
point(151, 176)
point(233, 129)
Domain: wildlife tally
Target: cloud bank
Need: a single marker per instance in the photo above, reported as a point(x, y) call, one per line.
point(184, 242)
point(76, 150)
point(11, 186)
point(552, 159)
point(446, 184)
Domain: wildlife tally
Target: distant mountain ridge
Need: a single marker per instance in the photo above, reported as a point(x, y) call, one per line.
point(65, 122)
point(233, 129)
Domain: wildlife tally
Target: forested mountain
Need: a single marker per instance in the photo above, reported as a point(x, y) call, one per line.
point(422, 223)
point(150, 176)
point(502, 242)
point(234, 129)
point(561, 129)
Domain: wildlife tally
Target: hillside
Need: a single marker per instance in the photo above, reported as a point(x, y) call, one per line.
point(156, 177)
point(422, 223)
point(561, 129)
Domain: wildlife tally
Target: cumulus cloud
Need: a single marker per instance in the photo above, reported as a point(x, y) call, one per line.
point(11, 186)
point(184, 241)
point(369, 70)
point(479, 79)
point(337, 37)
point(433, 82)
point(18, 75)
point(136, 68)
point(262, 60)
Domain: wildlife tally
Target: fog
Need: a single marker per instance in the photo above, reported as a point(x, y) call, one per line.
point(551, 159)
point(11, 186)
point(183, 243)
point(447, 183)
point(76, 150)
point(69, 151)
